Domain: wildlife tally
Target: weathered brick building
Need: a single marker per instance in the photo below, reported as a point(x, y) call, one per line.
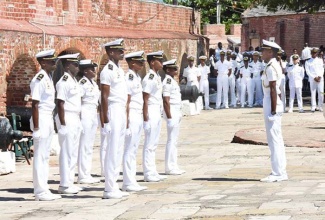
point(287, 28)
point(29, 26)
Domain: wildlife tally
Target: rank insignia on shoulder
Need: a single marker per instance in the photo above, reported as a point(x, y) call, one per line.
point(250, 66)
point(169, 81)
point(290, 65)
point(130, 77)
point(83, 81)
point(241, 66)
point(269, 64)
point(65, 77)
point(151, 76)
point(40, 77)
point(110, 66)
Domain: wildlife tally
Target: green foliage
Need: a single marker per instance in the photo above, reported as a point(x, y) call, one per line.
point(293, 5)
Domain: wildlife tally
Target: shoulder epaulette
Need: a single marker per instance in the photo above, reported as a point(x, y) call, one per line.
point(130, 76)
point(241, 66)
point(151, 76)
point(65, 77)
point(110, 66)
point(250, 66)
point(169, 81)
point(83, 81)
point(290, 65)
point(269, 64)
point(40, 77)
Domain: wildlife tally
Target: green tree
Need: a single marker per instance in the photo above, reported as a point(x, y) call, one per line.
point(293, 5)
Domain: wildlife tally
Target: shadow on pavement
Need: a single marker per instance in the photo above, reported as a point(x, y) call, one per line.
point(7, 199)
point(316, 127)
point(19, 190)
point(226, 179)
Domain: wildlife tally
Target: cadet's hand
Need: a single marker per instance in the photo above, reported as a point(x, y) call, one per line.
point(274, 117)
point(146, 126)
point(128, 132)
point(107, 128)
point(36, 134)
point(63, 130)
point(170, 123)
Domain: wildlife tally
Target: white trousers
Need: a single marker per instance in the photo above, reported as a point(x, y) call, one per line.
point(42, 148)
point(151, 139)
point(283, 92)
point(232, 86)
point(246, 86)
point(238, 89)
point(204, 88)
point(274, 137)
point(114, 151)
point(103, 147)
point(69, 144)
point(257, 88)
point(89, 124)
point(319, 87)
point(222, 86)
point(172, 137)
point(131, 147)
point(293, 92)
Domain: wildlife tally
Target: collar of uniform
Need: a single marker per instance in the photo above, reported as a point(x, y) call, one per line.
point(114, 65)
point(44, 73)
point(152, 71)
point(193, 67)
point(131, 71)
point(272, 60)
point(87, 80)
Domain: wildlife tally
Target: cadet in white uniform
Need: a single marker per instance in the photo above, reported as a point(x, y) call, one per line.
point(273, 109)
point(246, 80)
point(232, 79)
point(113, 106)
point(296, 74)
point(257, 70)
point(68, 122)
point(191, 73)
point(89, 120)
point(43, 94)
point(204, 82)
point(173, 114)
point(134, 107)
point(152, 106)
point(315, 71)
point(283, 64)
point(223, 68)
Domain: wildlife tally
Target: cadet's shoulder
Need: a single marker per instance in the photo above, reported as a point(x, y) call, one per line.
point(82, 81)
point(250, 66)
point(130, 76)
point(167, 80)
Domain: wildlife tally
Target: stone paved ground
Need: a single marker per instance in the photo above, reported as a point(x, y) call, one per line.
point(221, 180)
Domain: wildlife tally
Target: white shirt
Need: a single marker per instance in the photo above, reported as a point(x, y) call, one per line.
point(314, 68)
point(223, 67)
point(152, 85)
point(172, 89)
point(272, 72)
point(212, 61)
point(296, 75)
point(68, 90)
point(306, 53)
point(246, 72)
point(234, 65)
point(256, 68)
point(89, 92)
point(239, 58)
point(134, 89)
point(205, 70)
point(42, 90)
point(291, 60)
point(217, 54)
point(192, 73)
point(113, 76)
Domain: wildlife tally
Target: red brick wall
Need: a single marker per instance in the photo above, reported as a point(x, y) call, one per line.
point(290, 31)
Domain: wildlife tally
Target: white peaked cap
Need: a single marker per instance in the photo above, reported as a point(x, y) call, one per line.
point(269, 45)
point(203, 57)
point(138, 55)
point(45, 53)
point(157, 54)
point(87, 63)
point(70, 56)
point(119, 44)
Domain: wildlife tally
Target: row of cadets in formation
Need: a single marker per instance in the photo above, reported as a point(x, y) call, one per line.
point(127, 105)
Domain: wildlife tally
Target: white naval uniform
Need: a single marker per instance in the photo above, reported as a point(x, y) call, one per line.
point(42, 90)
point(245, 85)
point(134, 89)
point(204, 83)
point(113, 76)
point(238, 82)
point(68, 90)
point(152, 85)
point(296, 74)
point(171, 89)
point(89, 121)
point(192, 74)
point(222, 82)
point(314, 68)
point(273, 72)
point(232, 82)
point(256, 84)
point(283, 85)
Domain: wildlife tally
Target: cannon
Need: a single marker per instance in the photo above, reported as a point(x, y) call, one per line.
point(190, 93)
point(7, 134)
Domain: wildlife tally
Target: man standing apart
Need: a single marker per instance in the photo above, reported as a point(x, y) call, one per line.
point(43, 93)
point(152, 106)
point(113, 104)
point(223, 68)
point(68, 122)
point(173, 114)
point(315, 71)
point(204, 82)
point(273, 109)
